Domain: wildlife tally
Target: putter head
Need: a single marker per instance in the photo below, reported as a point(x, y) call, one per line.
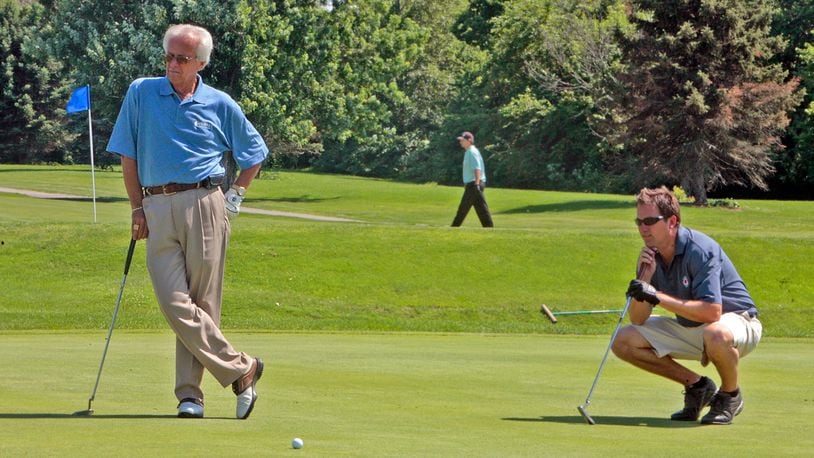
point(585, 415)
point(86, 412)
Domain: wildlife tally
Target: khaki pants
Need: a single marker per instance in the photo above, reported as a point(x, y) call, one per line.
point(668, 337)
point(186, 253)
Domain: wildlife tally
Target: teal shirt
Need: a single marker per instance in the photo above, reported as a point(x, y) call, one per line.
point(473, 161)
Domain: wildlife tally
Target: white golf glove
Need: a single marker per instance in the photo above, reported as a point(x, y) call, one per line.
point(234, 197)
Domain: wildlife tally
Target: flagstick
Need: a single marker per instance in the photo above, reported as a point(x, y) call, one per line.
point(92, 174)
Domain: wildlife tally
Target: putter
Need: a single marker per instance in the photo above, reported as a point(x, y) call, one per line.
point(583, 408)
point(89, 410)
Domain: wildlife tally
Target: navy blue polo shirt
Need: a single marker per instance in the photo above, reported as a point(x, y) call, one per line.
point(702, 271)
point(177, 141)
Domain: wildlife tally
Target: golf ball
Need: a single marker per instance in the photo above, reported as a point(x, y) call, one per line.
point(297, 443)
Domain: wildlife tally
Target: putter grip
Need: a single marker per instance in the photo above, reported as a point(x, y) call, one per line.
point(129, 256)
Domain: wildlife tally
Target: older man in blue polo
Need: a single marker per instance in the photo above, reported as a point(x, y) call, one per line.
point(171, 135)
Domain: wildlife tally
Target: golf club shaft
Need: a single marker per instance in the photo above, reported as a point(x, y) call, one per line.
point(607, 351)
point(113, 320)
point(586, 312)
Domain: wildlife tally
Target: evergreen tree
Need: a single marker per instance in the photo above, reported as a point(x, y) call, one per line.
point(33, 92)
point(703, 105)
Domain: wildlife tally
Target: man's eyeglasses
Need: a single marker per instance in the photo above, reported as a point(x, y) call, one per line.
point(178, 58)
point(649, 221)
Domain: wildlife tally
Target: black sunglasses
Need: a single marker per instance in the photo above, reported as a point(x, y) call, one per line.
point(178, 58)
point(649, 221)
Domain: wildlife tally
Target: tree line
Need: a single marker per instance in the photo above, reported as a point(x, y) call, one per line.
point(583, 95)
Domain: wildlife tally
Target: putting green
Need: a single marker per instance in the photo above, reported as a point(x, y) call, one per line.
point(348, 394)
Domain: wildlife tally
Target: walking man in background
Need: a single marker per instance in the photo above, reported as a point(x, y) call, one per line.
point(688, 274)
point(171, 134)
point(474, 176)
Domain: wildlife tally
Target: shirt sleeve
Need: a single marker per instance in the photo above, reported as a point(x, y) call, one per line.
point(469, 161)
point(125, 131)
point(248, 146)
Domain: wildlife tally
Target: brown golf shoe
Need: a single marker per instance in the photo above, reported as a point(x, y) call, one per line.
point(244, 388)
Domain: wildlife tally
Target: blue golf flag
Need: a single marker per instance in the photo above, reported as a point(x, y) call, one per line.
point(80, 100)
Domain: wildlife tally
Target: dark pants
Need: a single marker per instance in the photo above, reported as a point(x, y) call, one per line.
point(473, 197)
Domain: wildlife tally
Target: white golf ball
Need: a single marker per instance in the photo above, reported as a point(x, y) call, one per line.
point(297, 443)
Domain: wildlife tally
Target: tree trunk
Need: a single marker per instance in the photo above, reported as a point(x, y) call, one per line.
point(694, 186)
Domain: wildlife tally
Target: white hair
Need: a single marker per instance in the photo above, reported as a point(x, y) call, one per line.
point(202, 35)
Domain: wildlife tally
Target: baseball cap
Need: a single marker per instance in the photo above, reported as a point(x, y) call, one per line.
point(467, 136)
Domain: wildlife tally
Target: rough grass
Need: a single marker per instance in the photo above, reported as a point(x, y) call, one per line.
point(402, 269)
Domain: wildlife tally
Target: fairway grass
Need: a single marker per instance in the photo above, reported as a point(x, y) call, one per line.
point(402, 269)
point(401, 394)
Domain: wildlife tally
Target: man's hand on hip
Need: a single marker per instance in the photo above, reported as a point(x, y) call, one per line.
point(234, 197)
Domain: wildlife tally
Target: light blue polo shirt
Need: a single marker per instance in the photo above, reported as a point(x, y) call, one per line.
point(702, 271)
point(472, 161)
point(182, 142)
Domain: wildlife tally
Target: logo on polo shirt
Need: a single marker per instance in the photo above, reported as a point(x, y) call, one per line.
point(203, 124)
point(685, 281)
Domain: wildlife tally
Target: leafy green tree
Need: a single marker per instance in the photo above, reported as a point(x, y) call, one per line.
point(434, 85)
point(532, 102)
point(794, 20)
point(703, 105)
point(314, 80)
point(282, 67)
point(106, 45)
point(474, 26)
point(110, 45)
point(34, 91)
point(372, 48)
point(430, 80)
point(795, 163)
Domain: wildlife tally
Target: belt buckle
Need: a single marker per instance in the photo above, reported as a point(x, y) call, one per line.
point(164, 191)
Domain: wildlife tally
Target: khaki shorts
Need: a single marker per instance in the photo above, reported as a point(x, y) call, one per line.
point(668, 337)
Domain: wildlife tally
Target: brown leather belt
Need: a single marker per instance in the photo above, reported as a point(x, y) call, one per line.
point(169, 189)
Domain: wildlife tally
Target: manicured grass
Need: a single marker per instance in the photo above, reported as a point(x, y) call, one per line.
point(350, 394)
point(474, 376)
point(402, 269)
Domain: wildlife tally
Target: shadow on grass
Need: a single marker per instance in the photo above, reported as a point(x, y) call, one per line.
point(37, 169)
point(51, 416)
point(615, 421)
point(580, 205)
point(89, 199)
point(300, 199)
